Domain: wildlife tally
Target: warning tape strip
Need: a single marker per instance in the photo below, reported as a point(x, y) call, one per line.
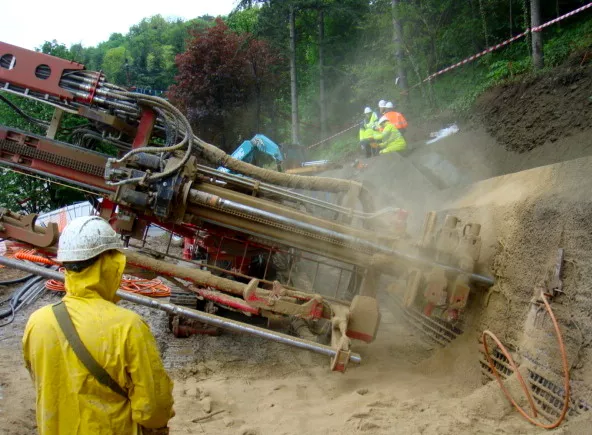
point(504, 43)
point(475, 56)
point(334, 136)
point(562, 17)
point(472, 58)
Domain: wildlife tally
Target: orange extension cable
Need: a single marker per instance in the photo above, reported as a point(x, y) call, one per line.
point(54, 285)
point(521, 379)
point(147, 287)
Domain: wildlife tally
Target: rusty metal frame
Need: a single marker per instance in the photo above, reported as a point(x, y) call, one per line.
point(22, 74)
point(23, 228)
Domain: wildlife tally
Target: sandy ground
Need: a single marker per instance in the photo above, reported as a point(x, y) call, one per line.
point(242, 385)
point(250, 386)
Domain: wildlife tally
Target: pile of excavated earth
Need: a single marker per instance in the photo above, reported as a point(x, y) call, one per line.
point(527, 181)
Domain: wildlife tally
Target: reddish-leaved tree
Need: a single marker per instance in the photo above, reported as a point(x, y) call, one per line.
point(226, 84)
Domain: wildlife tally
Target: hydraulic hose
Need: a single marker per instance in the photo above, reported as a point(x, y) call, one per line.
point(187, 140)
point(215, 155)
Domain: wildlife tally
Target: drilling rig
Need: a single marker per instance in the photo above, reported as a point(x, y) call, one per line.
point(263, 251)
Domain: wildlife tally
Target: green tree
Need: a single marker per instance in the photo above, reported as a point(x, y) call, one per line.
point(114, 64)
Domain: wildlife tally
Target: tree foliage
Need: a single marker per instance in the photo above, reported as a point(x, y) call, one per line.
point(226, 83)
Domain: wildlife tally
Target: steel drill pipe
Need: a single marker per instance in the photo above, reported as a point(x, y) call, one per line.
point(216, 202)
point(210, 319)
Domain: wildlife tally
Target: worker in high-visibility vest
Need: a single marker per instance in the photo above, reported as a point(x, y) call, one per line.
point(395, 118)
point(389, 137)
point(367, 127)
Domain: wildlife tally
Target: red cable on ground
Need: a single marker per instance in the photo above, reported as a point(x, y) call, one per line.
point(54, 285)
point(146, 287)
point(522, 383)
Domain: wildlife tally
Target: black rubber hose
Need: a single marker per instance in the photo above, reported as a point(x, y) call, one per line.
point(18, 294)
point(30, 296)
point(16, 280)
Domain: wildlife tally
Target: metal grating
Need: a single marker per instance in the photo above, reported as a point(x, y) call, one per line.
point(547, 395)
point(436, 330)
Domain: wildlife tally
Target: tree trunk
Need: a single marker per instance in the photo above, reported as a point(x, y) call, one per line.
point(293, 82)
point(538, 61)
point(484, 22)
point(322, 93)
point(511, 20)
point(398, 41)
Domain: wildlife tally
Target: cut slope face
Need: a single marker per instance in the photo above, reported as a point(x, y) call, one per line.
point(525, 115)
point(526, 217)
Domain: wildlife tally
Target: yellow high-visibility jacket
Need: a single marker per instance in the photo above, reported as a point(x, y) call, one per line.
point(392, 139)
point(367, 126)
point(69, 398)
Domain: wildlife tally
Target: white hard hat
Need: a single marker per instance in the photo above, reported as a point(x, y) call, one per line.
point(389, 105)
point(381, 103)
point(381, 120)
point(85, 238)
point(367, 110)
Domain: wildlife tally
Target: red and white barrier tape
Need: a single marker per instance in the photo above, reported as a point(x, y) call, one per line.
point(506, 42)
point(476, 56)
point(331, 137)
point(562, 17)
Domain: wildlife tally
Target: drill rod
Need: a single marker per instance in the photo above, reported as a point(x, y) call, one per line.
point(189, 313)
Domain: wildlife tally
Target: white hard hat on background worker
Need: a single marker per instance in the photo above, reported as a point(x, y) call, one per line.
point(95, 366)
point(367, 110)
point(389, 105)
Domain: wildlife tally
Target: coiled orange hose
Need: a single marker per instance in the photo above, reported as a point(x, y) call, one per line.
point(153, 288)
point(54, 285)
point(147, 287)
point(519, 376)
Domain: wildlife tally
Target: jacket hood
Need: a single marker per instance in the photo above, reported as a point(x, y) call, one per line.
point(100, 280)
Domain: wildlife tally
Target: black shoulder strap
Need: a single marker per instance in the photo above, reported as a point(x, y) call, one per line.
point(81, 351)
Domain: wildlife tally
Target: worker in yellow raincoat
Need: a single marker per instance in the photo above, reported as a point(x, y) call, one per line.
point(390, 138)
point(71, 399)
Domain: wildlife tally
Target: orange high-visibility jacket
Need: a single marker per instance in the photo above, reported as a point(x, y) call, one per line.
point(396, 119)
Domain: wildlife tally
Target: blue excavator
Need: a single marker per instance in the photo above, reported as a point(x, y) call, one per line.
point(258, 151)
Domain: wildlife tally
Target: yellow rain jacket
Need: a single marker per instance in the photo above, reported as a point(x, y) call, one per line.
point(69, 398)
point(392, 139)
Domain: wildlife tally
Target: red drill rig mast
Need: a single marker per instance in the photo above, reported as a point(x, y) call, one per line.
point(256, 231)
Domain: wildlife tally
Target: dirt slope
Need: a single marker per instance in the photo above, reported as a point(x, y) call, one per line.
point(528, 114)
